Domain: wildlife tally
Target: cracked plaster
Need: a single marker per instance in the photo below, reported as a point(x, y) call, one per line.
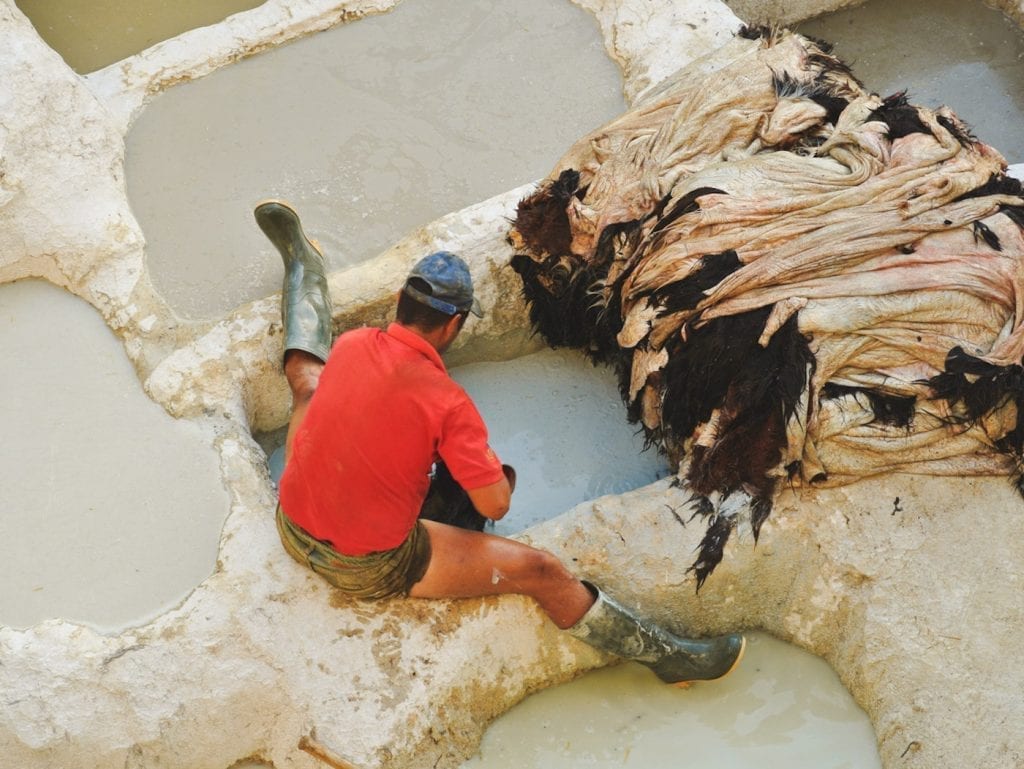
point(917, 610)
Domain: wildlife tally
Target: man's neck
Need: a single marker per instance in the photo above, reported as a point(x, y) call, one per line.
point(435, 337)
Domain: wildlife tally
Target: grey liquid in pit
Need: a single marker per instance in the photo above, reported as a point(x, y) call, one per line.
point(781, 709)
point(954, 52)
point(560, 422)
point(111, 509)
point(372, 130)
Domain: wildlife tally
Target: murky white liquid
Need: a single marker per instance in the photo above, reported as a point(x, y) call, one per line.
point(371, 129)
point(109, 508)
point(781, 709)
point(955, 52)
point(561, 423)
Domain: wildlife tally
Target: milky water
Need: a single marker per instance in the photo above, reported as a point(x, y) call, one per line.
point(781, 709)
point(110, 509)
point(560, 422)
point(90, 34)
point(371, 129)
point(955, 52)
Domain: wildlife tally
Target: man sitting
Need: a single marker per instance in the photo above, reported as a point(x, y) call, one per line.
point(372, 416)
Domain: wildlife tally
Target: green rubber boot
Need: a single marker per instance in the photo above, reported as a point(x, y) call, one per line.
point(305, 300)
point(610, 627)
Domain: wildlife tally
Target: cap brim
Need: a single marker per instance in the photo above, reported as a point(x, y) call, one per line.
point(475, 308)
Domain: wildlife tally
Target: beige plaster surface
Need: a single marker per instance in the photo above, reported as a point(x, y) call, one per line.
point(785, 11)
point(914, 602)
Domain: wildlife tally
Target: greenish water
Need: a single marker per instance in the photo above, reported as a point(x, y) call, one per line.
point(90, 34)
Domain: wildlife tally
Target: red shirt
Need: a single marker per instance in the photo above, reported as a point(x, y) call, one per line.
point(384, 411)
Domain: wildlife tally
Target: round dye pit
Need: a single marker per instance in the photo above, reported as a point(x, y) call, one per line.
point(91, 34)
point(781, 709)
point(560, 422)
point(371, 130)
point(111, 508)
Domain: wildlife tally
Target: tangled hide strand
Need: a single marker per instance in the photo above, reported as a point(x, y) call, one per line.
point(793, 278)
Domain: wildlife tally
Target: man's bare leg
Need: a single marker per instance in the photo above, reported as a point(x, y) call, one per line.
point(302, 370)
point(467, 564)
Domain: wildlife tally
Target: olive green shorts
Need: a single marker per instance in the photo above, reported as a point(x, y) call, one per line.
point(371, 576)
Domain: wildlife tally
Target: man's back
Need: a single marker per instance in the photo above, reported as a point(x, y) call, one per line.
point(385, 409)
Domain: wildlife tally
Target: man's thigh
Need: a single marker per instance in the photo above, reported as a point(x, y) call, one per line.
point(370, 577)
point(465, 564)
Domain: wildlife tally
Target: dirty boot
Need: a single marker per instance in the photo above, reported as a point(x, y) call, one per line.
point(305, 300)
point(612, 628)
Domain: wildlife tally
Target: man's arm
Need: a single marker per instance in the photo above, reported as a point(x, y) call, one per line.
point(492, 501)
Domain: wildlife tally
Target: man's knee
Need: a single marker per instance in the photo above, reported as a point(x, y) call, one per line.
point(541, 567)
point(302, 392)
point(303, 379)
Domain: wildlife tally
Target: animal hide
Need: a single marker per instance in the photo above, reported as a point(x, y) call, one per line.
point(795, 280)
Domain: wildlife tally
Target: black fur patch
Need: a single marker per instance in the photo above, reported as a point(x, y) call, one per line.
point(976, 384)
point(959, 130)
point(687, 293)
point(984, 232)
point(1001, 184)
point(902, 118)
point(895, 410)
point(711, 547)
point(755, 32)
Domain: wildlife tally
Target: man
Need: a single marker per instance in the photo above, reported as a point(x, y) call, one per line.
point(370, 418)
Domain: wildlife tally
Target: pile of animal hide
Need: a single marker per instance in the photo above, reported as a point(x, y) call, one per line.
point(796, 280)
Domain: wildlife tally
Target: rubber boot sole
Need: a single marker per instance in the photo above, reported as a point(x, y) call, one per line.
point(732, 667)
point(314, 244)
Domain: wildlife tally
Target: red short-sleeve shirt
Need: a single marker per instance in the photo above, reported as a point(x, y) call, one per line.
point(384, 411)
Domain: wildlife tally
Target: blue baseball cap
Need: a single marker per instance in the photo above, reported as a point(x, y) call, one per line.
point(451, 286)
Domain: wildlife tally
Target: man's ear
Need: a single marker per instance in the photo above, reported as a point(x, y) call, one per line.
point(454, 324)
